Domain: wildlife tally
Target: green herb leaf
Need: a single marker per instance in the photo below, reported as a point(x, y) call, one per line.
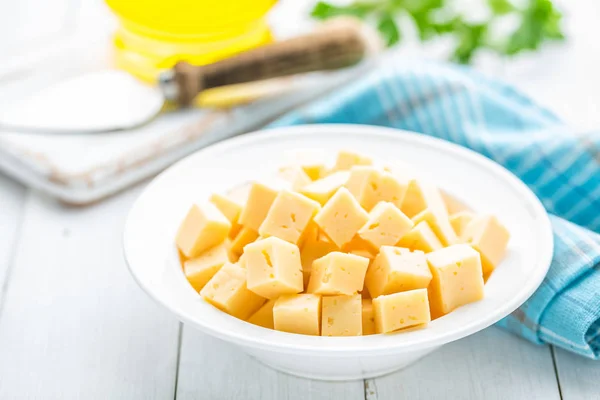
point(470, 38)
point(389, 30)
point(501, 7)
point(324, 10)
point(540, 22)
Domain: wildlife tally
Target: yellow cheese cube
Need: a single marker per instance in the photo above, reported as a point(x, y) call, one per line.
point(460, 220)
point(363, 253)
point(245, 236)
point(182, 257)
point(264, 316)
point(321, 190)
point(360, 247)
point(338, 273)
point(457, 278)
point(341, 315)
point(453, 205)
point(260, 198)
point(289, 216)
point(391, 189)
point(397, 270)
point(298, 313)
point(348, 159)
point(273, 267)
point(311, 234)
point(228, 292)
point(341, 217)
point(296, 176)
point(240, 193)
point(401, 310)
point(490, 238)
point(313, 249)
point(386, 225)
point(421, 237)
point(370, 186)
point(312, 161)
point(199, 270)
point(421, 195)
point(233, 257)
point(203, 227)
point(365, 292)
point(228, 207)
point(439, 222)
point(231, 209)
point(368, 317)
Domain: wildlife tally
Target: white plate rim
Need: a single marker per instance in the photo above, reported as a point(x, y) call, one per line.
point(351, 346)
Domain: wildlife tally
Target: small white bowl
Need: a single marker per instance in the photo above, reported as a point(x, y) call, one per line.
point(482, 184)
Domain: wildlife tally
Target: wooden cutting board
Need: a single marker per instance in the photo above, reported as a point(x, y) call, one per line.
point(80, 169)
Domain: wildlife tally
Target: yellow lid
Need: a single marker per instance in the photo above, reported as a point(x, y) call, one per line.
point(189, 17)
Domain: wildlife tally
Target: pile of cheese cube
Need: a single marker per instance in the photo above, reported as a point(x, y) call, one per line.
point(342, 251)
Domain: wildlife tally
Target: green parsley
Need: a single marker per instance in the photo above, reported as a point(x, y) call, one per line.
point(537, 21)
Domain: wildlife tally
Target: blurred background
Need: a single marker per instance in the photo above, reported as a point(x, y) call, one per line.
point(559, 74)
point(547, 49)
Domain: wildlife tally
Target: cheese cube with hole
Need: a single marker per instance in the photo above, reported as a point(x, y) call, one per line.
point(368, 317)
point(395, 270)
point(273, 267)
point(203, 227)
point(260, 198)
point(439, 222)
point(490, 238)
point(421, 237)
point(245, 236)
point(363, 183)
point(386, 225)
point(296, 176)
point(321, 190)
point(314, 249)
point(228, 292)
point(231, 209)
point(338, 273)
point(201, 269)
point(348, 159)
point(401, 310)
point(298, 313)
point(289, 216)
point(457, 278)
point(370, 186)
point(460, 220)
point(341, 217)
point(341, 315)
point(264, 316)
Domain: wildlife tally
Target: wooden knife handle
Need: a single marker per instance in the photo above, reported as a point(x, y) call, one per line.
point(336, 45)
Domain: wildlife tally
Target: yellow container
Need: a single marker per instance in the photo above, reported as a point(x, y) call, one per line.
point(154, 34)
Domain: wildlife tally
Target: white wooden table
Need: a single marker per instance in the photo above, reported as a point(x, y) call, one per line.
point(74, 325)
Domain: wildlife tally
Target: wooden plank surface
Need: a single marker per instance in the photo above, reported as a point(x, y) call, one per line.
point(212, 369)
point(489, 365)
point(579, 377)
point(74, 324)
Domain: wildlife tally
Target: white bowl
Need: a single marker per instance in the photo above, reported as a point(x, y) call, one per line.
point(482, 184)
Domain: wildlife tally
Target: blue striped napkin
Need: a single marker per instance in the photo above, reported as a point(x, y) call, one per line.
point(561, 166)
